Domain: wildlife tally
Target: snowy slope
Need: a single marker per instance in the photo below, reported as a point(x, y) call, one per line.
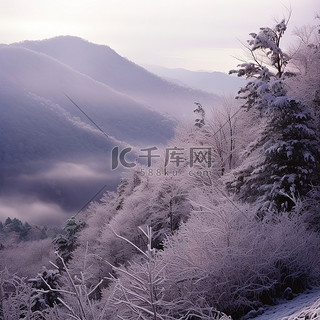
point(305, 306)
point(117, 114)
point(104, 65)
point(214, 82)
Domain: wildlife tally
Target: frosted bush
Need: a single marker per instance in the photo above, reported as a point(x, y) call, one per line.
point(237, 263)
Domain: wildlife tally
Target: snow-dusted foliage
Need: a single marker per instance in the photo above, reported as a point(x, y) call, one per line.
point(311, 207)
point(264, 84)
point(226, 130)
point(160, 202)
point(306, 61)
point(73, 299)
point(41, 297)
point(236, 263)
point(199, 122)
point(139, 291)
point(26, 258)
point(15, 298)
point(66, 242)
point(283, 162)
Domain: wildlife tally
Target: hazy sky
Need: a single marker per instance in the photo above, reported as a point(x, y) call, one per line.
point(193, 34)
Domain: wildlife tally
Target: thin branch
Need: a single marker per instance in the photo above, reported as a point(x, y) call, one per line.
point(127, 240)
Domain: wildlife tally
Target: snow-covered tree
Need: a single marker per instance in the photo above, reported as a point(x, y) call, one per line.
point(284, 161)
point(306, 63)
point(215, 129)
point(15, 297)
point(42, 297)
point(138, 292)
point(66, 243)
point(266, 68)
point(201, 114)
point(224, 258)
point(26, 257)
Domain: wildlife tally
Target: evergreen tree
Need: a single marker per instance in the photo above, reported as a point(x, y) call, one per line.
point(25, 231)
point(16, 225)
point(200, 121)
point(283, 163)
point(66, 242)
point(45, 281)
point(8, 221)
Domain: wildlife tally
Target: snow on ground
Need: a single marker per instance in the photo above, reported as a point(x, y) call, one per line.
point(305, 306)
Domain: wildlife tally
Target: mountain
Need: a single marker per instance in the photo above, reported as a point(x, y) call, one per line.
point(103, 64)
point(214, 82)
point(116, 113)
point(52, 158)
point(53, 155)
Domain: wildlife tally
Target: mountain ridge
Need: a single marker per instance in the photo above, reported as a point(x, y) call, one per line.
point(217, 82)
point(103, 64)
point(49, 78)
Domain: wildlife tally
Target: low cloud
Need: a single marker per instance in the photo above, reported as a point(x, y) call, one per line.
point(48, 194)
point(32, 210)
point(74, 171)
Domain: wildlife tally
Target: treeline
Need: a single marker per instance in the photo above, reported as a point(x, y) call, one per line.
point(15, 230)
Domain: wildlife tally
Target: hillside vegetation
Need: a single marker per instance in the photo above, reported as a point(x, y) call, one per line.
point(224, 221)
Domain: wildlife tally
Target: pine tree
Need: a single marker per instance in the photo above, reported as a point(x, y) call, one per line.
point(283, 163)
point(200, 121)
point(42, 296)
point(66, 243)
point(8, 221)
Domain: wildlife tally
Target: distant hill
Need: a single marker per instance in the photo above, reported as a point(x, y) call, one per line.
point(103, 64)
point(214, 82)
point(119, 115)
